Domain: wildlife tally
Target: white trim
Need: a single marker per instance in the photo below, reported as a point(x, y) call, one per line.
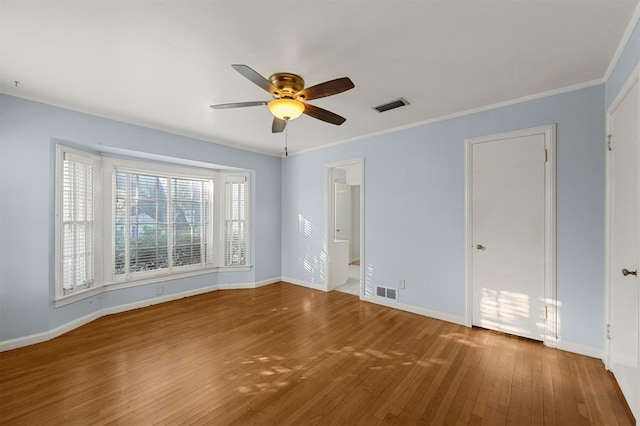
point(118, 285)
point(634, 78)
point(239, 286)
point(230, 144)
point(268, 282)
point(303, 283)
point(550, 285)
point(471, 111)
point(577, 348)
point(79, 295)
point(64, 328)
point(329, 218)
point(468, 242)
point(623, 42)
point(362, 228)
point(622, 93)
point(168, 170)
point(32, 339)
point(145, 125)
point(232, 286)
point(415, 309)
point(222, 242)
point(157, 300)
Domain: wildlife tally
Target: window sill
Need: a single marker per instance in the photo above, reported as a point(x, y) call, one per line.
point(118, 285)
point(76, 296)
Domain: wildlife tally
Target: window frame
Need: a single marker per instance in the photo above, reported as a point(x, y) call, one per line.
point(110, 165)
point(104, 277)
point(61, 154)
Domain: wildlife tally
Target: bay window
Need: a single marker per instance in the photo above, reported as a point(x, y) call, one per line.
point(159, 220)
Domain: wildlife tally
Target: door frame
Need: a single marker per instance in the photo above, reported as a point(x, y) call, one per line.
point(329, 219)
point(634, 78)
point(550, 261)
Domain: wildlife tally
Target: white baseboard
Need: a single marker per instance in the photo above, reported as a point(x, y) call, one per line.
point(156, 300)
point(267, 282)
point(239, 286)
point(235, 286)
point(315, 286)
point(577, 348)
point(415, 310)
point(560, 344)
point(19, 342)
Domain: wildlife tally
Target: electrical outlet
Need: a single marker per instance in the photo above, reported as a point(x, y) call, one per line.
point(159, 290)
point(401, 284)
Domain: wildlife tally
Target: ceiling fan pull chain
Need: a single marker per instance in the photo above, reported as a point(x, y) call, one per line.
point(286, 133)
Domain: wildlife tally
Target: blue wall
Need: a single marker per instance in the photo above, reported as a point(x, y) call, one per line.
point(28, 136)
point(414, 208)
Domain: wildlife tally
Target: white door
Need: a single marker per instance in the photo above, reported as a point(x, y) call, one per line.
point(624, 236)
point(343, 211)
point(508, 234)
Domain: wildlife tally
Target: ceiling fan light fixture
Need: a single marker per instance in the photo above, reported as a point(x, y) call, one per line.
point(286, 109)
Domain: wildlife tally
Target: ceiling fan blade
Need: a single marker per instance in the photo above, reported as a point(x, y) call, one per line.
point(323, 114)
point(239, 104)
point(278, 125)
point(257, 79)
point(327, 88)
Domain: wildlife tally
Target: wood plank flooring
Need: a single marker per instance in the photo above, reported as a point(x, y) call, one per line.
point(284, 354)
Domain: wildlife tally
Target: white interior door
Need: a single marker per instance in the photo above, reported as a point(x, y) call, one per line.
point(624, 241)
point(343, 211)
point(508, 234)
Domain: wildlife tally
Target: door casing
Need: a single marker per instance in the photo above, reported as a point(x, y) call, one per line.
point(550, 295)
point(329, 226)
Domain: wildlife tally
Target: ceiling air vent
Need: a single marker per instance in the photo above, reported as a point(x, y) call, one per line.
point(392, 105)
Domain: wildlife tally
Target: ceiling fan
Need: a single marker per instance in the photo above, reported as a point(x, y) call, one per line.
point(290, 95)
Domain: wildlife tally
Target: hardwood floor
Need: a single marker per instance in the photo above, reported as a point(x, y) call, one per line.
point(284, 354)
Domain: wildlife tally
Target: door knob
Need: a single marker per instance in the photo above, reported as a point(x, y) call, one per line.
point(626, 272)
point(480, 247)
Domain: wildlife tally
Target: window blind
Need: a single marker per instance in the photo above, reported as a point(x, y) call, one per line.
point(77, 222)
point(160, 223)
point(236, 237)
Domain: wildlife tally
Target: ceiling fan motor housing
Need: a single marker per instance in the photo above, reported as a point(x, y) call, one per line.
point(288, 84)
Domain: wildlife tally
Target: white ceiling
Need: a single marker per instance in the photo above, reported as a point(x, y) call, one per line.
point(161, 63)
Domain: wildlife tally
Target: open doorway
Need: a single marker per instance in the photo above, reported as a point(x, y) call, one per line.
point(344, 194)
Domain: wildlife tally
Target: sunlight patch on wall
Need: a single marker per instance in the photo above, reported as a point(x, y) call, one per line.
point(369, 288)
point(314, 259)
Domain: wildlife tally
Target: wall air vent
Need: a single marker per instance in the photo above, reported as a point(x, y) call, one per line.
point(386, 292)
point(392, 105)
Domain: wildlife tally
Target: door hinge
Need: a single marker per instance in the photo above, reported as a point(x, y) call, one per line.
point(546, 310)
point(609, 143)
point(609, 331)
point(546, 155)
